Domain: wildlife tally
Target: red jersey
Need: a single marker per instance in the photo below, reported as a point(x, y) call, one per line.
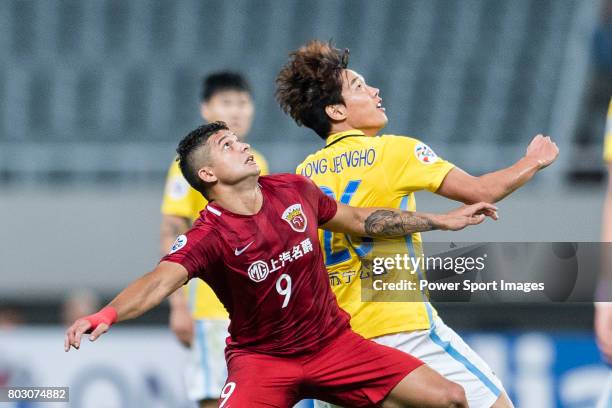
point(267, 269)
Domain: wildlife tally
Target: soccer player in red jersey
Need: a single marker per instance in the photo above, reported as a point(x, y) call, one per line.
point(256, 245)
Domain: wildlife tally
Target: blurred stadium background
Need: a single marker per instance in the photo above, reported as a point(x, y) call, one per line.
point(95, 94)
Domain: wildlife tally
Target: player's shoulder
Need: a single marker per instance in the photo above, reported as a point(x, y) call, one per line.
point(174, 169)
point(201, 235)
point(204, 223)
point(204, 227)
point(394, 140)
point(177, 189)
point(398, 148)
point(289, 183)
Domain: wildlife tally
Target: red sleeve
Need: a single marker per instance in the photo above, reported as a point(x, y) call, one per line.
point(324, 206)
point(198, 251)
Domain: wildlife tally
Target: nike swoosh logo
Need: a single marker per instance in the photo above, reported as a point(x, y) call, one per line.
point(238, 252)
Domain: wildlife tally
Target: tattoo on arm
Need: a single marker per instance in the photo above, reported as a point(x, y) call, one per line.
point(388, 223)
point(174, 226)
point(171, 227)
point(179, 228)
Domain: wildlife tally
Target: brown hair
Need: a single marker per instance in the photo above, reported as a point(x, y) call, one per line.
point(309, 82)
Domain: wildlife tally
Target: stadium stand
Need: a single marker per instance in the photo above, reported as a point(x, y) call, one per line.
point(95, 89)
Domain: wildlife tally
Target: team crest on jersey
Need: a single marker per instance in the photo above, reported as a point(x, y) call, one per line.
point(424, 154)
point(180, 242)
point(295, 217)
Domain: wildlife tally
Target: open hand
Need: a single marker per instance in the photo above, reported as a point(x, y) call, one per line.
point(468, 215)
point(80, 327)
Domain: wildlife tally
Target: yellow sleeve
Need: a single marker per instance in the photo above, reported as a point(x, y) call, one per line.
point(411, 165)
point(608, 137)
point(180, 199)
point(261, 162)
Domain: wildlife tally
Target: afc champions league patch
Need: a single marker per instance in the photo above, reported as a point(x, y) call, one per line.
point(180, 242)
point(424, 154)
point(295, 217)
point(177, 187)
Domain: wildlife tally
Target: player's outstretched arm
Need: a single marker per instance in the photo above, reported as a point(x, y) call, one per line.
point(386, 222)
point(140, 296)
point(492, 187)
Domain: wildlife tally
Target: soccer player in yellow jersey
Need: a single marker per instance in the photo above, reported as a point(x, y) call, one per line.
point(603, 309)
point(197, 317)
point(359, 167)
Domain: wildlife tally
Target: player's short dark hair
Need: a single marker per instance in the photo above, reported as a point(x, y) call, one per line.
point(223, 81)
point(190, 143)
point(309, 82)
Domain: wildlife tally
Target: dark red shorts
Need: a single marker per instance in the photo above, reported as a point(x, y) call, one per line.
point(350, 371)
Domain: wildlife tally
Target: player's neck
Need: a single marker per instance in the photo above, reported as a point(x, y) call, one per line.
point(344, 127)
point(244, 198)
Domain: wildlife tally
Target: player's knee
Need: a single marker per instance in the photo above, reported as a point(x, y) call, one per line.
point(454, 396)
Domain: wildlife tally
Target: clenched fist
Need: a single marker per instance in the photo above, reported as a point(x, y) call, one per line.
point(543, 150)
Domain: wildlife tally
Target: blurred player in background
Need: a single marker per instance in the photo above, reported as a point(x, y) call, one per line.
point(10, 318)
point(603, 309)
point(318, 91)
point(256, 244)
point(197, 317)
point(79, 303)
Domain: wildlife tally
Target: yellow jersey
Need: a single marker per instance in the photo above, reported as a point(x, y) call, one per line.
point(608, 137)
point(181, 200)
point(380, 171)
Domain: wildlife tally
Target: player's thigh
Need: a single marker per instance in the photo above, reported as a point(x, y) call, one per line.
point(444, 350)
point(503, 401)
point(356, 372)
point(256, 380)
point(423, 387)
point(206, 370)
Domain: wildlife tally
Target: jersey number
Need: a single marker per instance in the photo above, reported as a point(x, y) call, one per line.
point(226, 392)
point(343, 255)
point(286, 291)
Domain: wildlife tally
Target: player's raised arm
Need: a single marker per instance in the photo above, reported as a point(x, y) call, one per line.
point(385, 222)
point(492, 187)
point(140, 296)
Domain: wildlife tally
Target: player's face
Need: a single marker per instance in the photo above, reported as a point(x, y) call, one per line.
point(364, 108)
point(232, 107)
point(232, 160)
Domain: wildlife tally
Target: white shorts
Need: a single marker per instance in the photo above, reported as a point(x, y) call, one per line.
point(206, 370)
point(443, 350)
point(605, 401)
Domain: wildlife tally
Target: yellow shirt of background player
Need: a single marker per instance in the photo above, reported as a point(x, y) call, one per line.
point(181, 200)
point(381, 171)
point(608, 137)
